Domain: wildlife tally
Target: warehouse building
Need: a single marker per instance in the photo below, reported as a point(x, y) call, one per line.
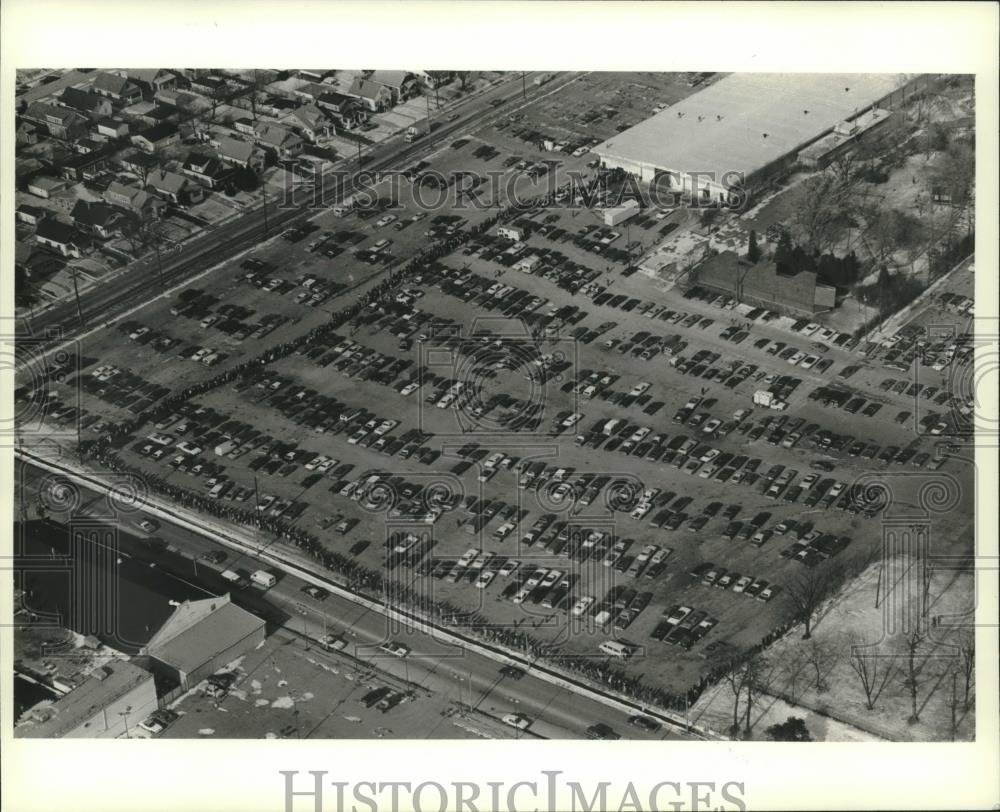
point(202, 636)
point(746, 125)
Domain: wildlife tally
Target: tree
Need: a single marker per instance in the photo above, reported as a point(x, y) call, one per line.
point(820, 656)
point(757, 679)
point(753, 252)
point(733, 676)
point(967, 667)
point(793, 729)
point(873, 669)
point(808, 590)
point(913, 640)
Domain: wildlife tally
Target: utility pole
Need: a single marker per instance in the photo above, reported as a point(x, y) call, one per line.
point(124, 714)
point(76, 290)
point(263, 188)
point(524, 85)
point(156, 248)
point(359, 154)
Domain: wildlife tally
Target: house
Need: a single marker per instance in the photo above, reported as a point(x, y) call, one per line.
point(150, 80)
point(60, 122)
point(346, 111)
point(87, 146)
point(133, 198)
point(97, 219)
point(435, 78)
point(311, 123)
point(280, 140)
point(87, 165)
point(173, 187)
point(374, 96)
point(26, 134)
point(111, 128)
point(86, 103)
point(60, 237)
point(157, 137)
point(44, 186)
point(32, 215)
point(402, 84)
point(206, 168)
point(117, 88)
point(241, 153)
point(209, 85)
point(152, 114)
point(244, 125)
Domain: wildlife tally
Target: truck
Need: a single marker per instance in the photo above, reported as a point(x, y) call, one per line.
point(413, 133)
point(619, 214)
point(763, 397)
point(345, 206)
point(263, 579)
point(610, 426)
point(541, 79)
point(232, 577)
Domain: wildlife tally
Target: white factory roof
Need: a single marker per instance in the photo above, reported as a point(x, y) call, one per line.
point(722, 127)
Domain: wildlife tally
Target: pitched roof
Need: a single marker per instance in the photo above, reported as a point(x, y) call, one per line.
point(111, 83)
point(56, 231)
point(391, 78)
point(273, 134)
point(197, 631)
point(236, 149)
point(366, 89)
point(81, 99)
point(166, 181)
point(158, 132)
point(43, 111)
point(310, 116)
point(93, 214)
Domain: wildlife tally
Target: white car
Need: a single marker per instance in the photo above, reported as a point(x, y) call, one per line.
point(484, 579)
point(797, 358)
point(409, 389)
point(742, 583)
point(809, 361)
point(561, 491)
point(509, 568)
point(572, 420)
point(582, 605)
point(385, 220)
point(639, 389)
point(518, 720)
point(137, 334)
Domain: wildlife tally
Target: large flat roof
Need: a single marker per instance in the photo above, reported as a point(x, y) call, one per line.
point(722, 127)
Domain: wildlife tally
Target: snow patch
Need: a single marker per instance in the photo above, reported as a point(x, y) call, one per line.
point(283, 703)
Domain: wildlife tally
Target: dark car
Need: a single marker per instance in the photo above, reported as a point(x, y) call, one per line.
point(644, 723)
point(602, 731)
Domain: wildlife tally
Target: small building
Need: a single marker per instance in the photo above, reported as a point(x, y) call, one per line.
point(150, 80)
point(311, 123)
point(241, 153)
point(108, 705)
point(206, 168)
point(346, 111)
point(59, 237)
point(117, 88)
point(529, 263)
point(402, 84)
point(86, 103)
point(97, 219)
point(157, 137)
point(619, 214)
point(280, 140)
point(202, 636)
point(111, 128)
point(244, 125)
point(44, 186)
point(374, 96)
point(174, 188)
point(26, 133)
point(32, 215)
point(131, 197)
point(59, 122)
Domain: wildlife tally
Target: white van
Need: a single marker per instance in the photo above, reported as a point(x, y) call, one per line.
point(615, 649)
point(264, 579)
point(231, 576)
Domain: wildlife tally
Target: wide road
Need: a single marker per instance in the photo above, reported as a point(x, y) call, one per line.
point(141, 282)
point(433, 664)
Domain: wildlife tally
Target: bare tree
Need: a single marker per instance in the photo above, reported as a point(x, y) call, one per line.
point(913, 641)
point(873, 668)
point(820, 655)
point(757, 673)
point(734, 677)
point(808, 590)
point(829, 201)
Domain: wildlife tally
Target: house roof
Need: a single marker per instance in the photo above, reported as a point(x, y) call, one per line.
point(366, 89)
point(204, 163)
point(147, 75)
point(236, 149)
point(56, 231)
point(159, 132)
point(43, 111)
point(93, 214)
point(310, 116)
point(111, 83)
point(274, 134)
point(81, 99)
point(199, 630)
point(32, 211)
point(166, 181)
point(390, 78)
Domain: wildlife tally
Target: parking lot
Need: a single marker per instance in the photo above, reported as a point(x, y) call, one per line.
point(526, 430)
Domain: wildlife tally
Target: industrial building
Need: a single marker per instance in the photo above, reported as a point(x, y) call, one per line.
point(761, 285)
point(115, 696)
point(746, 125)
point(202, 636)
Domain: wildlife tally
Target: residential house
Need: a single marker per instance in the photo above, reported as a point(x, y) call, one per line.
point(60, 237)
point(87, 165)
point(374, 96)
point(280, 140)
point(117, 88)
point(206, 168)
point(26, 134)
point(152, 114)
point(44, 186)
point(241, 153)
point(435, 78)
point(111, 128)
point(86, 103)
point(150, 80)
point(157, 137)
point(311, 123)
point(209, 85)
point(402, 84)
point(60, 122)
point(132, 198)
point(139, 163)
point(86, 146)
point(32, 215)
point(97, 219)
point(346, 111)
point(175, 188)
point(244, 125)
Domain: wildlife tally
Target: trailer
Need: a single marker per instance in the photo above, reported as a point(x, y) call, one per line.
point(619, 214)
